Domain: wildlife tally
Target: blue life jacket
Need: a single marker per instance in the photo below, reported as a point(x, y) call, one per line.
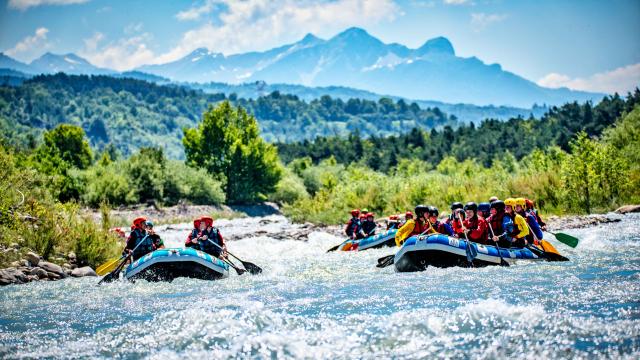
point(143, 245)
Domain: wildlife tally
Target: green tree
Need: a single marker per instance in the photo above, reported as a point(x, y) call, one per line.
point(228, 144)
point(66, 143)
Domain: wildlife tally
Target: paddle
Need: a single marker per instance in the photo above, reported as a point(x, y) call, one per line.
point(550, 253)
point(108, 266)
point(238, 270)
point(337, 246)
point(566, 239)
point(385, 261)
point(253, 269)
point(114, 274)
point(470, 255)
point(503, 262)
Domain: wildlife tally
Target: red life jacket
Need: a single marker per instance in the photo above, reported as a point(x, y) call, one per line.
point(420, 227)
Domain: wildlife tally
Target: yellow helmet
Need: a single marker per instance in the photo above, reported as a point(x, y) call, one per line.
point(510, 202)
point(521, 202)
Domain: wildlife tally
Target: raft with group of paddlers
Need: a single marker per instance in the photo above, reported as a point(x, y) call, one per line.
point(492, 233)
point(204, 256)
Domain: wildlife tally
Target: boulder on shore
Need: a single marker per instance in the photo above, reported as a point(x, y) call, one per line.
point(52, 268)
point(12, 276)
point(628, 209)
point(33, 258)
point(83, 271)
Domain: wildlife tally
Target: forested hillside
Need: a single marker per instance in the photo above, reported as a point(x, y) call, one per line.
point(483, 143)
point(132, 113)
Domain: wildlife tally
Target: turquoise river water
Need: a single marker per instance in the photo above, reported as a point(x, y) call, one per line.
point(310, 304)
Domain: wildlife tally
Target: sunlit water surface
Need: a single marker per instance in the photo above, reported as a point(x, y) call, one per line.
point(310, 304)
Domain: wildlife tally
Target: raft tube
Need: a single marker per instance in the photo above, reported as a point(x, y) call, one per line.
point(386, 238)
point(168, 264)
point(419, 252)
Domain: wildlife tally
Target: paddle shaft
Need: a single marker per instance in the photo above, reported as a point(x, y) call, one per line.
point(237, 269)
point(119, 268)
point(468, 245)
point(502, 260)
point(252, 268)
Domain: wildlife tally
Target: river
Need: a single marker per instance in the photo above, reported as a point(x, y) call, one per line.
point(310, 304)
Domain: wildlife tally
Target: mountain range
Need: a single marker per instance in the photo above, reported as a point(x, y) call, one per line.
point(352, 59)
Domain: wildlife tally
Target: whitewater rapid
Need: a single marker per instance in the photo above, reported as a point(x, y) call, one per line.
point(310, 304)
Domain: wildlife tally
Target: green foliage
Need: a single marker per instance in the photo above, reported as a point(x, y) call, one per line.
point(486, 143)
point(40, 223)
point(228, 145)
point(289, 189)
point(65, 147)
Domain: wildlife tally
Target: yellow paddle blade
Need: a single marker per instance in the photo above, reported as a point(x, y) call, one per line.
point(547, 247)
point(107, 267)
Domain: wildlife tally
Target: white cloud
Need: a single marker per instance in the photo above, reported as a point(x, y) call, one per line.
point(620, 80)
point(455, 2)
point(123, 54)
point(479, 21)
point(261, 24)
point(195, 13)
point(25, 4)
point(26, 46)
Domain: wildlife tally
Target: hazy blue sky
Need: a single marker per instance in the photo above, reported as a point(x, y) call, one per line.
point(583, 44)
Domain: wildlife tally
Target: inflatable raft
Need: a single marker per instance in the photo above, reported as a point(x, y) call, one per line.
point(386, 238)
point(419, 252)
point(168, 264)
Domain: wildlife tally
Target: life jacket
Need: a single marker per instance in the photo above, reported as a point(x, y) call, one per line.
point(496, 223)
point(142, 243)
point(419, 227)
point(208, 247)
point(443, 228)
point(354, 226)
point(477, 227)
point(369, 227)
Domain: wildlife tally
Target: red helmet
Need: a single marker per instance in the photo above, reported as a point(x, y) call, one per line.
point(370, 214)
point(139, 220)
point(207, 220)
point(196, 223)
point(408, 215)
point(529, 203)
point(363, 216)
point(393, 217)
point(355, 212)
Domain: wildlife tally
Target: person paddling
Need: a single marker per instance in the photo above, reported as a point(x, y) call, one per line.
point(531, 208)
point(155, 238)
point(212, 233)
point(439, 226)
point(414, 227)
point(474, 226)
point(369, 225)
point(520, 229)
point(198, 231)
point(138, 244)
point(354, 226)
point(501, 224)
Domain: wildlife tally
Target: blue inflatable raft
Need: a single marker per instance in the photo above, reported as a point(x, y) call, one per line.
point(386, 238)
point(168, 264)
point(419, 252)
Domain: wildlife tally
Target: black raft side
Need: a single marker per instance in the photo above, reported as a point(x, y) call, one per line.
point(168, 271)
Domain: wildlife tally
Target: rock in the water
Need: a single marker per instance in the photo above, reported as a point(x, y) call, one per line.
point(83, 271)
point(31, 278)
point(628, 209)
point(52, 268)
point(39, 272)
point(33, 258)
point(53, 276)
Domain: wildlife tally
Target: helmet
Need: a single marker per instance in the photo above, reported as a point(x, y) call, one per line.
point(138, 221)
point(355, 212)
point(456, 205)
point(510, 202)
point(421, 210)
point(471, 206)
point(408, 215)
point(484, 207)
point(498, 205)
point(521, 202)
point(393, 217)
point(529, 203)
point(433, 211)
point(363, 216)
point(207, 220)
point(149, 223)
point(493, 198)
point(365, 210)
point(370, 214)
